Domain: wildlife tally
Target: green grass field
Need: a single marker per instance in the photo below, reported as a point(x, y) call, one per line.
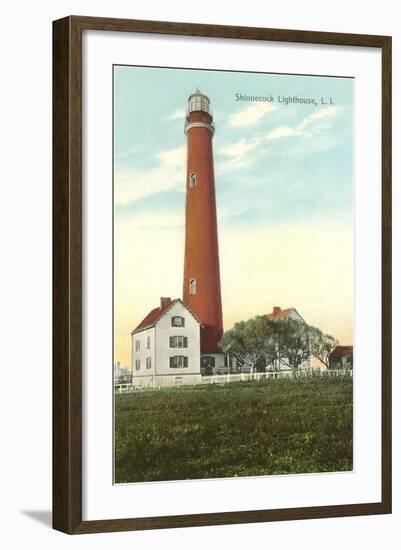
point(240, 429)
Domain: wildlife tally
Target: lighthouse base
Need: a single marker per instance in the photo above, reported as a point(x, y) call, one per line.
point(213, 363)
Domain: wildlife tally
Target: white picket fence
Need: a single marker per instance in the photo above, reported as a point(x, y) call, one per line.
point(159, 382)
point(258, 376)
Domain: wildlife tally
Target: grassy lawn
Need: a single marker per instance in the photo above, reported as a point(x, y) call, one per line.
point(240, 429)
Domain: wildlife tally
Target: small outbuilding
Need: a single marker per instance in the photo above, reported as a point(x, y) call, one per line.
point(341, 357)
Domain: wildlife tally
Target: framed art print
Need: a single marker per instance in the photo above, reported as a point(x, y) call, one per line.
point(222, 274)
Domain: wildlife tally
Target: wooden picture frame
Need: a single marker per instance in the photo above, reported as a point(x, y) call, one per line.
point(67, 273)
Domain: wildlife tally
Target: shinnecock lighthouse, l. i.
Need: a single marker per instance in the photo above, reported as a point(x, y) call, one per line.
point(201, 285)
point(179, 341)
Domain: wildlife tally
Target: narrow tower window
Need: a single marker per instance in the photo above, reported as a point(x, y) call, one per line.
point(192, 286)
point(192, 180)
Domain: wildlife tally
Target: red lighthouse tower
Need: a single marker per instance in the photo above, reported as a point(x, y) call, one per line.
point(201, 290)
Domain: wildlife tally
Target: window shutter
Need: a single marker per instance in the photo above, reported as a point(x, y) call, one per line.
point(185, 362)
point(171, 342)
point(185, 341)
point(171, 362)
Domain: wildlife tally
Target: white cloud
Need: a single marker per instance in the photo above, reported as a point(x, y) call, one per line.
point(320, 114)
point(250, 115)
point(239, 155)
point(179, 113)
point(245, 153)
point(170, 165)
point(234, 164)
point(240, 148)
point(281, 131)
point(173, 158)
point(168, 175)
point(312, 124)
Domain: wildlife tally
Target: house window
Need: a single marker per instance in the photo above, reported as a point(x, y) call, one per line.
point(208, 361)
point(192, 180)
point(177, 321)
point(137, 364)
point(192, 286)
point(148, 342)
point(148, 362)
point(178, 362)
point(178, 342)
point(137, 345)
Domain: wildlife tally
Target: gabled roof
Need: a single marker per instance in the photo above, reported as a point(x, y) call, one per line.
point(342, 351)
point(279, 313)
point(156, 314)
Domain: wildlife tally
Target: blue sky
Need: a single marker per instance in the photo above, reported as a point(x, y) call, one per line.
point(284, 189)
point(274, 163)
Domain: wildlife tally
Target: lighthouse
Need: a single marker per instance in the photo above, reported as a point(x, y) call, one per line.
point(201, 284)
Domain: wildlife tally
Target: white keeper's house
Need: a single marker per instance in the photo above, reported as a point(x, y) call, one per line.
point(166, 347)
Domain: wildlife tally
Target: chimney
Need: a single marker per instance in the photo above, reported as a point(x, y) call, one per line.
point(164, 302)
point(276, 310)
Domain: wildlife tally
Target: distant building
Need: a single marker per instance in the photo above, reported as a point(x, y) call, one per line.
point(166, 346)
point(341, 357)
point(290, 313)
point(122, 375)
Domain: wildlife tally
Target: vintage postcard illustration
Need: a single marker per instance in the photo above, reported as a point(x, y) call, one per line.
point(233, 274)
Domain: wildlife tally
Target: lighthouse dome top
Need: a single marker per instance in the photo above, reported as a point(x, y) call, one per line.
point(198, 101)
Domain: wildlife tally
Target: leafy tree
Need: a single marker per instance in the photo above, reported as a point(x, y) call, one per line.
point(286, 342)
point(294, 342)
point(245, 341)
point(273, 343)
point(321, 345)
point(279, 342)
